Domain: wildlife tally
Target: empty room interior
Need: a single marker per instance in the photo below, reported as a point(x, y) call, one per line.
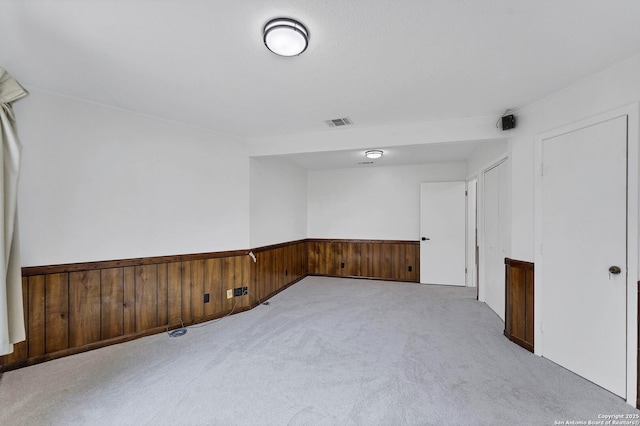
point(320, 212)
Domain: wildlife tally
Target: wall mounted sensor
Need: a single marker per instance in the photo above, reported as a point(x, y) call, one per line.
point(508, 122)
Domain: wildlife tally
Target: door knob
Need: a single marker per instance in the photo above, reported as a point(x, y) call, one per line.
point(615, 270)
point(425, 239)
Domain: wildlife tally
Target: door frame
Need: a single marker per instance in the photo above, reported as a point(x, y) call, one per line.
point(633, 133)
point(480, 214)
point(472, 233)
point(422, 233)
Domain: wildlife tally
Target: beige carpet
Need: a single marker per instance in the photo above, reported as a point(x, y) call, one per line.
point(324, 352)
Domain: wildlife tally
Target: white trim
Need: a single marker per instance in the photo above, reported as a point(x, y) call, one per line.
point(480, 198)
point(422, 231)
point(633, 239)
point(537, 247)
point(471, 279)
point(633, 185)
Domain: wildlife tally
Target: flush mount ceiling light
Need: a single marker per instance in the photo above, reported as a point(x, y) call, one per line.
point(373, 153)
point(286, 37)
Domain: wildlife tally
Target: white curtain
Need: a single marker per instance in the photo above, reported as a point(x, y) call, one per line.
point(11, 309)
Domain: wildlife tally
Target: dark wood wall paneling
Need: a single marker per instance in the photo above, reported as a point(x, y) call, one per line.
point(386, 260)
point(70, 312)
point(519, 285)
point(276, 268)
point(78, 307)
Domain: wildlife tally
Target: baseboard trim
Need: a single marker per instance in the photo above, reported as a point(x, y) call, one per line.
point(108, 342)
point(122, 339)
point(357, 277)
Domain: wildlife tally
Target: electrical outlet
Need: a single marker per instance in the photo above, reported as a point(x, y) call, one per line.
point(245, 291)
point(342, 265)
point(206, 298)
point(229, 293)
point(410, 268)
point(237, 291)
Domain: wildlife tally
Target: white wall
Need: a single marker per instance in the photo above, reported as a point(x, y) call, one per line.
point(99, 184)
point(278, 201)
point(372, 202)
point(486, 155)
point(356, 137)
point(611, 89)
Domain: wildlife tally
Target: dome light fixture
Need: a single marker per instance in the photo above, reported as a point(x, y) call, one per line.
point(373, 153)
point(286, 37)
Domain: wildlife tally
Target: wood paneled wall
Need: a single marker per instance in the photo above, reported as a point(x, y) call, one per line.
point(72, 311)
point(78, 307)
point(519, 302)
point(277, 267)
point(387, 260)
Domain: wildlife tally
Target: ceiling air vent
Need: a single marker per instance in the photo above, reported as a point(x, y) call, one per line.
point(338, 122)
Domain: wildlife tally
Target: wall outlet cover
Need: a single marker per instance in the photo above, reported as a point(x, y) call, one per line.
point(229, 293)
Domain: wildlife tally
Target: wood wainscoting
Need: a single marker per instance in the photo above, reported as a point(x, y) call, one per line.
point(519, 302)
point(277, 267)
point(78, 307)
point(377, 259)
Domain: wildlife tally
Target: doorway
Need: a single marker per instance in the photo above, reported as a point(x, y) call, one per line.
point(494, 233)
point(443, 233)
point(586, 249)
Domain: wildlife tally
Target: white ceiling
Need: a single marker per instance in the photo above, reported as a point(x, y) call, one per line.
point(203, 62)
point(450, 152)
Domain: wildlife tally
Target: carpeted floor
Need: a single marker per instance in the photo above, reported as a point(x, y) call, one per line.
point(324, 352)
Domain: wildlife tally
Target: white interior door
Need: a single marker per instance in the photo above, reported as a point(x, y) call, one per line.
point(443, 233)
point(584, 196)
point(495, 238)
